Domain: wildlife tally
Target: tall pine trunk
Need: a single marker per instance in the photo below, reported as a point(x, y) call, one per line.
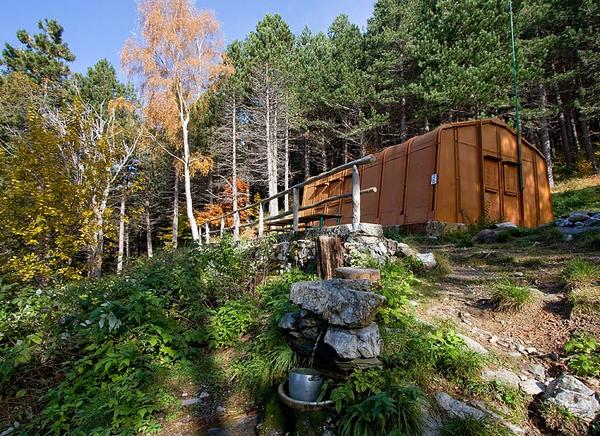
point(545, 136)
point(566, 146)
point(306, 156)
point(234, 185)
point(587, 142)
point(121, 251)
point(323, 153)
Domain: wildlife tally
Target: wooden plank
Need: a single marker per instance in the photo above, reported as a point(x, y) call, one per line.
point(347, 272)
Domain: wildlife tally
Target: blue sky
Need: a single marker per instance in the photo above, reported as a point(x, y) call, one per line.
point(95, 29)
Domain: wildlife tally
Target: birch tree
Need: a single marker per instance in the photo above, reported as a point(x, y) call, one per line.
point(176, 57)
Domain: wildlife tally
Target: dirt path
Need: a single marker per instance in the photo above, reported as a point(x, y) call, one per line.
point(537, 332)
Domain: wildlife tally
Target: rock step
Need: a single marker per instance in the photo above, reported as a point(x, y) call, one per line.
point(346, 272)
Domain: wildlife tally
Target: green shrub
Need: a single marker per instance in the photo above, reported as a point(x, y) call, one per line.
point(377, 401)
point(396, 282)
point(471, 426)
point(583, 355)
point(267, 359)
point(227, 323)
point(508, 296)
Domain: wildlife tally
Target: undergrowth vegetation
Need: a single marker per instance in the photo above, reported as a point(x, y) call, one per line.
point(470, 426)
point(84, 358)
point(583, 353)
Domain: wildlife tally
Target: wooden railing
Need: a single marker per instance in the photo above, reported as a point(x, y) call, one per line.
point(296, 208)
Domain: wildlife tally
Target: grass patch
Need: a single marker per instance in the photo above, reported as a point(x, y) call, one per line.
point(581, 278)
point(577, 194)
point(562, 422)
point(508, 296)
point(470, 426)
point(580, 273)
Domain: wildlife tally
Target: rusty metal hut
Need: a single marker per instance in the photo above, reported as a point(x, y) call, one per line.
point(457, 173)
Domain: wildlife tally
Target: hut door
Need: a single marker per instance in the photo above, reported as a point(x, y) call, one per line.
point(492, 188)
point(510, 200)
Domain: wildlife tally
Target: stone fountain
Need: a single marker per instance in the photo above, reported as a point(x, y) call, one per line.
point(341, 312)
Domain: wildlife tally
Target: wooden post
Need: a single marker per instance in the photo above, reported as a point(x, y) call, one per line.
point(261, 219)
point(222, 227)
point(295, 210)
point(330, 256)
point(207, 230)
point(355, 198)
point(236, 226)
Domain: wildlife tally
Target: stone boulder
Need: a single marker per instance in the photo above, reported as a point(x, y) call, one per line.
point(578, 216)
point(492, 234)
point(354, 343)
point(454, 407)
point(501, 375)
point(344, 303)
point(570, 393)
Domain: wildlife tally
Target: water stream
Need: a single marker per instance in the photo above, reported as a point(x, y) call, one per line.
point(311, 361)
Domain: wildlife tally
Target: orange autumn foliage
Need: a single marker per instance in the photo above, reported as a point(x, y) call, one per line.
point(214, 210)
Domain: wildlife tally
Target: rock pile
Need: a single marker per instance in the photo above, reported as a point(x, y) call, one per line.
point(337, 315)
point(577, 222)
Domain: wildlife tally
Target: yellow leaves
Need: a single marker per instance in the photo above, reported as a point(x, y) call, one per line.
point(200, 164)
point(177, 57)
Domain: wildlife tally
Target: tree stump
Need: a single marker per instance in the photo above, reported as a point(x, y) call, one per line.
point(330, 255)
point(347, 272)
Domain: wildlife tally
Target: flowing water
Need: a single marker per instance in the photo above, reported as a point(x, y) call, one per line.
point(314, 350)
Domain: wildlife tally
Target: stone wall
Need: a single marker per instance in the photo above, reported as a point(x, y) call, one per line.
point(299, 249)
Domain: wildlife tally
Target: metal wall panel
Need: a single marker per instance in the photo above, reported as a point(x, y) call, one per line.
point(474, 164)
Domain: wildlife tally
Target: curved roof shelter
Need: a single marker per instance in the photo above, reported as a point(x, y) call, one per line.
point(457, 173)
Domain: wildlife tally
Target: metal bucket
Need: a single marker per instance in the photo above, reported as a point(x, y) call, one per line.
point(305, 384)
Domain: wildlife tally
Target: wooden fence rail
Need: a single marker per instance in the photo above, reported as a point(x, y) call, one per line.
point(296, 208)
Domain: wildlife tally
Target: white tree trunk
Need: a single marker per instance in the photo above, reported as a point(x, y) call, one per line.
point(271, 158)
point(121, 234)
point(148, 229)
point(234, 184)
point(189, 205)
point(175, 233)
point(97, 250)
point(546, 149)
point(286, 179)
